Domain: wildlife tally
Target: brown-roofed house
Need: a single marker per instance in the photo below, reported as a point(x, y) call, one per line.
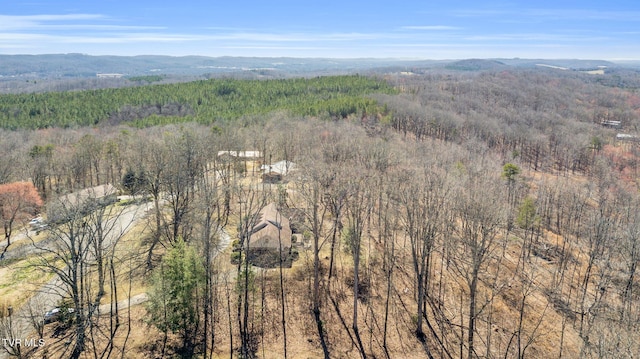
point(81, 202)
point(270, 237)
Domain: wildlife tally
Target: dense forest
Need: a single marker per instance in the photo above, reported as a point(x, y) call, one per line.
point(439, 214)
point(202, 101)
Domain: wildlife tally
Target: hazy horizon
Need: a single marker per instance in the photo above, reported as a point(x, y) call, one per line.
point(330, 29)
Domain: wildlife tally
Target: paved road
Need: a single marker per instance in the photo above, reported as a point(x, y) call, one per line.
point(126, 303)
point(22, 250)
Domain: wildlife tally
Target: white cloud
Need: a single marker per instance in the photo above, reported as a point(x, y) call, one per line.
point(28, 22)
point(296, 37)
point(52, 17)
point(136, 37)
point(583, 14)
point(96, 27)
point(129, 38)
point(541, 14)
point(431, 28)
point(276, 47)
point(63, 23)
point(542, 37)
point(96, 33)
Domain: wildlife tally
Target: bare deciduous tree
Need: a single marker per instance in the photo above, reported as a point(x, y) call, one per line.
point(425, 200)
point(79, 248)
point(480, 216)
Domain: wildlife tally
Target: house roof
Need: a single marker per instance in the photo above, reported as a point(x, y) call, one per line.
point(241, 154)
point(79, 203)
point(627, 137)
point(79, 197)
point(281, 167)
point(272, 228)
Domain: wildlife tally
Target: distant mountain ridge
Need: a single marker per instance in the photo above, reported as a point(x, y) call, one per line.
point(476, 65)
point(80, 65)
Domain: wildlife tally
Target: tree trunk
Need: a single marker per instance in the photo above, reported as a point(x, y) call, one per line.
point(472, 315)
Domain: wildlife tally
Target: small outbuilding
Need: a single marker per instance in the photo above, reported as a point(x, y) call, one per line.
point(627, 137)
point(276, 172)
point(242, 155)
point(240, 159)
point(611, 124)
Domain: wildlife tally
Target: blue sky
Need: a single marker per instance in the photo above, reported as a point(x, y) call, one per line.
point(342, 29)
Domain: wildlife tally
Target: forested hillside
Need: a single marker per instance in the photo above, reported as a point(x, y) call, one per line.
point(202, 101)
point(442, 214)
point(549, 119)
